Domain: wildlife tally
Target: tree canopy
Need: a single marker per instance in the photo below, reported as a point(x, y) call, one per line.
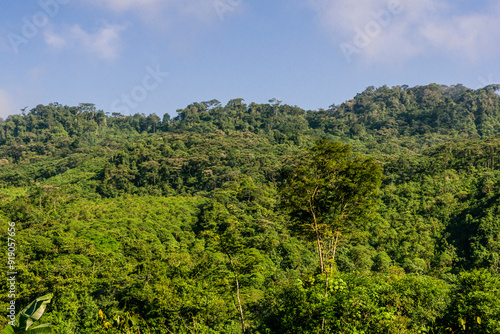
point(377, 215)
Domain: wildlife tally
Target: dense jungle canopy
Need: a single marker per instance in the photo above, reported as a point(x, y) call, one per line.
point(378, 215)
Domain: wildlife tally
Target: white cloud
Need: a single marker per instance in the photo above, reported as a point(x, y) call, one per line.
point(385, 30)
point(179, 23)
point(104, 42)
point(122, 5)
point(53, 40)
point(474, 36)
point(6, 104)
point(165, 12)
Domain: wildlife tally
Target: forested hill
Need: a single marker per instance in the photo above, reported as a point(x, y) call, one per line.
point(427, 114)
point(195, 224)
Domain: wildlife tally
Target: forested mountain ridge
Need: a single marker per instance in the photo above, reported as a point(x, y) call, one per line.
point(422, 111)
point(137, 223)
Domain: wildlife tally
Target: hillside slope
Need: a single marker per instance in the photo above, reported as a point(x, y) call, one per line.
point(139, 223)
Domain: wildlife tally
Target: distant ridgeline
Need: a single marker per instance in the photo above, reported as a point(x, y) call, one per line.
point(179, 224)
point(428, 114)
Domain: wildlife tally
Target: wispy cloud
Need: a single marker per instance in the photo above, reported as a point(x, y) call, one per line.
point(122, 5)
point(53, 39)
point(179, 23)
point(6, 104)
point(104, 42)
point(164, 12)
point(474, 36)
point(401, 29)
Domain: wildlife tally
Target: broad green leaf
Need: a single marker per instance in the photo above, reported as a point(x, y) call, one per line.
point(33, 311)
point(41, 329)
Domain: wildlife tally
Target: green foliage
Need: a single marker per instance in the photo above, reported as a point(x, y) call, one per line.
point(328, 193)
point(30, 315)
point(159, 225)
point(475, 306)
point(357, 303)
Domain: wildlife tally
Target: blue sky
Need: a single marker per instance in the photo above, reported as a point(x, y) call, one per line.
point(158, 56)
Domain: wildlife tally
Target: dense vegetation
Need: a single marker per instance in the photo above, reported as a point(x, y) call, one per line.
point(202, 223)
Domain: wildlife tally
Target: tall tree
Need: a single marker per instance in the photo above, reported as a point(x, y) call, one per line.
point(328, 191)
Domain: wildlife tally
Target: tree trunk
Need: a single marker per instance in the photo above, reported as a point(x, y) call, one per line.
point(320, 251)
point(240, 308)
point(316, 230)
point(335, 246)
